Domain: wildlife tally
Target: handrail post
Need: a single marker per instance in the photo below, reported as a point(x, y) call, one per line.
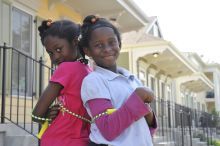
point(40, 87)
point(190, 128)
point(3, 83)
point(181, 122)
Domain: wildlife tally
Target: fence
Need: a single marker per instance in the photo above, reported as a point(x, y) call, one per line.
point(181, 126)
point(23, 79)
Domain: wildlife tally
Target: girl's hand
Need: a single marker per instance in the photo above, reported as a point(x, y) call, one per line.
point(145, 94)
point(53, 111)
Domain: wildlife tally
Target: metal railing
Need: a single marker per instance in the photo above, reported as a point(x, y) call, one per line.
point(180, 125)
point(22, 81)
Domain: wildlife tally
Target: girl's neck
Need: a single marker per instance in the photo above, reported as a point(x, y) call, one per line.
point(113, 69)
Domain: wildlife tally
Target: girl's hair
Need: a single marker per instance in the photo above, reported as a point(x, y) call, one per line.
point(63, 29)
point(90, 23)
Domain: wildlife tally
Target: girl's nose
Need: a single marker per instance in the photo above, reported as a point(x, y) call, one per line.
point(107, 47)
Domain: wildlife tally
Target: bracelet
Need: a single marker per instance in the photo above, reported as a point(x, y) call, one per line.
point(40, 118)
point(107, 112)
point(98, 116)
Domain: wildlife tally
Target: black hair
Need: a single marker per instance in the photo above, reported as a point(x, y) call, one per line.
point(90, 23)
point(63, 29)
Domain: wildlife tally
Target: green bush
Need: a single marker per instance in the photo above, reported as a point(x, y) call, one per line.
point(216, 143)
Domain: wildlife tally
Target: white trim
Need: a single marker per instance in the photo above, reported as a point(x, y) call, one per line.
point(1, 23)
point(33, 29)
point(24, 8)
point(132, 8)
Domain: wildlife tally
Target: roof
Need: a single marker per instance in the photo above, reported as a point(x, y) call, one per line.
point(124, 13)
point(138, 37)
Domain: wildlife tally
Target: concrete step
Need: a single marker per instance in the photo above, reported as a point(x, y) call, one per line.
point(201, 144)
point(12, 135)
point(2, 138)
point(19, 140)
point(157, 139)
point(168, 143)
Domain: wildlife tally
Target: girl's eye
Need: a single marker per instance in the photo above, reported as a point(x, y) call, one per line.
point(99, 45)
point(58, 50)
point(50, 53)
point(112, 42)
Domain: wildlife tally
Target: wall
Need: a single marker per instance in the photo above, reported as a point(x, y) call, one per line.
point(217, 89)
point(57, 11)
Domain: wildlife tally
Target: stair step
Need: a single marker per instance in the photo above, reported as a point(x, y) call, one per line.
point(201, 144)
point(12, 135)
point(2, 138)
point(157, 139)
point(20, 140)
point(168, 143)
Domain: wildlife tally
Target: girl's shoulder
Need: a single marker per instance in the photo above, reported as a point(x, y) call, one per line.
point(93, 75)
point(94, 79)
point(70, 64)
point(72, 68)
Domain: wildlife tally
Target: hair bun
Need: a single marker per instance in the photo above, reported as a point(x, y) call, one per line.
point(44, 26)
point(91, 19)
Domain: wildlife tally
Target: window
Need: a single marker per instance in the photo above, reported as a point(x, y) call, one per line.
point(198, 106)
point(162, 92)
point(152, 84)
point(169, 92)
point(142, 77)
point(22, 41)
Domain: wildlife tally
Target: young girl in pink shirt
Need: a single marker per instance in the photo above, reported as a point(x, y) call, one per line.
point(71, 126)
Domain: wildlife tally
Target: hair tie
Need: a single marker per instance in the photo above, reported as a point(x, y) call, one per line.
point(94, 19)
point(79, 37)
point(49, 22)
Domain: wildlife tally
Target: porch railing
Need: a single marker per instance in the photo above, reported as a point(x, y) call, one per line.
point(180, 125)
point(22, 81)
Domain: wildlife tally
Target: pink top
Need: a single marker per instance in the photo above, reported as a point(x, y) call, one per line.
point(111, 126)
point(66, 129)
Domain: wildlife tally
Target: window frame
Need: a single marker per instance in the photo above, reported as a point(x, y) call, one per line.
point(22, 10)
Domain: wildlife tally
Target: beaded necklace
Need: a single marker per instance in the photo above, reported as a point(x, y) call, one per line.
point(63, 109)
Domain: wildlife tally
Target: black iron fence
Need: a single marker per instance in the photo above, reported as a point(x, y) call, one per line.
point(183, 126)
point(23, 79)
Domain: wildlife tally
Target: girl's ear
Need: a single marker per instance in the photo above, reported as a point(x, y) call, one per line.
point(87, 52)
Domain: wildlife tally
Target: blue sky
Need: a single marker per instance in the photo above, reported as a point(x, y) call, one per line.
point(191, 25)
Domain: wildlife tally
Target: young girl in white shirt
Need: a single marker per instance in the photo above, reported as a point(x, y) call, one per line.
point(115, 99)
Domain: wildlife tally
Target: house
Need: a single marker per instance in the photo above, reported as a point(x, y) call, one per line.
point(211, 70)
point(180, 87)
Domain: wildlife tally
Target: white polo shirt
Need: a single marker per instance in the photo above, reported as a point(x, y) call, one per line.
point(102, 83)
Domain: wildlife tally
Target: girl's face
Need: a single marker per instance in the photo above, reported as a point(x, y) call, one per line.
point(60, 50)
point(104, 48)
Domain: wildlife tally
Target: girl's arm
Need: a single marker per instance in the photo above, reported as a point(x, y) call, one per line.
point(151, 121)
point(111, 126)
point(148, 96)
point(46, 99)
